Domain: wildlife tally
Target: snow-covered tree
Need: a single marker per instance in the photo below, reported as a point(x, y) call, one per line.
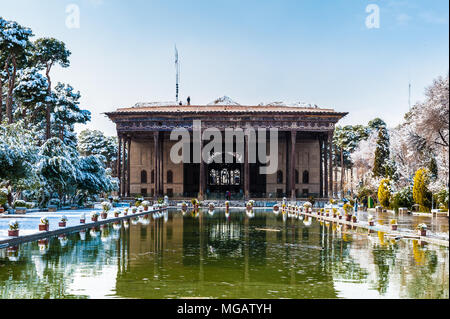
point(14, 50)
point(31, 93)
point(381, 153)
point(57, 166)
point(67, 113)
point(46, 53)
point(94, 142)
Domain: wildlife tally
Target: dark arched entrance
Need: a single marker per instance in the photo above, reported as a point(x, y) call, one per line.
point(223, 177)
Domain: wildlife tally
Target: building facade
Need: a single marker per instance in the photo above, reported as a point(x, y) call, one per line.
point(304, 147)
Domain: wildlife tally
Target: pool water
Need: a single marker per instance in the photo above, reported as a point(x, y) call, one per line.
point(219, 257)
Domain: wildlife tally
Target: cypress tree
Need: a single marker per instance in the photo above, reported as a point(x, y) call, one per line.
point(381, 153)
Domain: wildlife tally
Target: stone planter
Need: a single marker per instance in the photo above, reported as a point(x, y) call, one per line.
point(116, 214)
point(371, 223)
point(340, 216)
point(145, 209)
point(422, 232)
point(52, 208)
point(13, 233)
point(104, 215)
point(43, 227)
point(21, 210)
point(62, 224)
point(394, 227)
point(94, 218)
point(348, 218)
point(2, 210)
point(354, 219)
point(82, 221)
point(125, 213)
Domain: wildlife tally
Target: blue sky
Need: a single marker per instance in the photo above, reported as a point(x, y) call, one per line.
point(319, 52)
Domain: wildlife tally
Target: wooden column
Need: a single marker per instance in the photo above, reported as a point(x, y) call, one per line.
point(161, 164)
point(320, 166)
point(155, 162)
point(119, 166)
point(128, 166)
point(201, 184)
point(124, 161)
point(292, 164)
point(325, 166)
point(246, 169)
point(330, 163)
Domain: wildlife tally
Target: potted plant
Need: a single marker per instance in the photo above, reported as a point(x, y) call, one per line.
point(20, 206)
point(334, 210)
point(44, 224)
point(13, 228)
point(348, 211)
point(422, 229)
point(125, 211)
point(83, 218)
point(327, 213)
point(339, 215)
point(106, 206)
point(370, 220)
point(116, 213)
point(145, 204)
point(307, 206)
point(134, 209)
point(393, 223)
point(354, 219)
point(63, 221)
point(94, 216)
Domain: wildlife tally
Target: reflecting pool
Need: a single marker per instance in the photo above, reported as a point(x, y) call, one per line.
point(214, 256)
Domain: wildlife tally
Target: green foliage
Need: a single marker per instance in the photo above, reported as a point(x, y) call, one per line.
point(421, 194)
point(403, 198)
point(441, 198)
point(364, 192)
point(376, 124)
point(19, 203)
point(384, 193)
point(381, 153)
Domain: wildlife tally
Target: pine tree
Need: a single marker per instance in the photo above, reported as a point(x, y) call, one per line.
point(381, 153)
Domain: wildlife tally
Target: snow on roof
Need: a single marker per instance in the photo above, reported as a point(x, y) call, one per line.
point(150, 104)
point(224, 100)
point(295, 104)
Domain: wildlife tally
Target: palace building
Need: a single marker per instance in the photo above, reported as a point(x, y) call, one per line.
point(145, 168)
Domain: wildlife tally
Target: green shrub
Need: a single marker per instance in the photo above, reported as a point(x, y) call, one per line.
point(402, 198)
point(19, 203)
point(441, 199)
point(384, 193)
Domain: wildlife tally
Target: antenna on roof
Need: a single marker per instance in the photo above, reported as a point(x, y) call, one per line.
point(177, 69)
point(409, 95)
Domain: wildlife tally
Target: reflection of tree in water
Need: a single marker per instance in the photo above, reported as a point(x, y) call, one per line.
point(384, 259)
point(429, 279)
point(335, 257)
point(49, 275)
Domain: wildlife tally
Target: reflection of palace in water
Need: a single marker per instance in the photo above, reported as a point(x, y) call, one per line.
point(202, 252)
point(220, 257)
